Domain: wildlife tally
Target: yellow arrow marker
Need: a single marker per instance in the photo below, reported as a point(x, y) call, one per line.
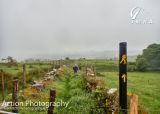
point(129, 94)
point(124, 59)
point(124, 78)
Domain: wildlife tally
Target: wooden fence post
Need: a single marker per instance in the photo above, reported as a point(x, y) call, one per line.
point(51, 101)
point(24, 75)
point(15, 95)
point(134, 104)
point(94, 70)
point(86, 71)
point(2, 79)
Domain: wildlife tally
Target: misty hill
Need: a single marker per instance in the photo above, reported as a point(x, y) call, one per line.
point(90, 55)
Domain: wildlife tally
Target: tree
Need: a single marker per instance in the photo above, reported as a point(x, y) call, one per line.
point(10, 61)
point(152, 55)
point(3, 60)
point(150, 58)
point(141, 63)
point(67, 58)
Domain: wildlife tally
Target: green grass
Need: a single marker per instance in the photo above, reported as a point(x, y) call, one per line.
point(101, 65)
point(144, 84)
point(34, 72)
point(14, 70)
point(70, 88)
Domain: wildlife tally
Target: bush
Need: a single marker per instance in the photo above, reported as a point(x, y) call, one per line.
point(131, 68)
point(31, 66)
point(141, 64)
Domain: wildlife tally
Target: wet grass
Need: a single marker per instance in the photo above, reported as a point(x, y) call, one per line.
point(144, 84)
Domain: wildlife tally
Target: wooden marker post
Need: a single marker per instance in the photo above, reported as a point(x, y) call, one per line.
point(123, 78)
point(24, 75)
point(134, 104)
point(2, 79)
point(51, 101)
point(15, 96)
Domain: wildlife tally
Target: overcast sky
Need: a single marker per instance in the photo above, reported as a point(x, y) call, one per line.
point(37, 27)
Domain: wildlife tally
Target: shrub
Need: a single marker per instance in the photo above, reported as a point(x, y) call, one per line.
point(141, 64)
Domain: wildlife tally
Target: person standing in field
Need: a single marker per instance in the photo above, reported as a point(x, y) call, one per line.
point(75, 68)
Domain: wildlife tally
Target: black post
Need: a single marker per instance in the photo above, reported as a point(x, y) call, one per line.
point(123, 77)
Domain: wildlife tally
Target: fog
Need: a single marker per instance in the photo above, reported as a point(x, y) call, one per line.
point(47, 28)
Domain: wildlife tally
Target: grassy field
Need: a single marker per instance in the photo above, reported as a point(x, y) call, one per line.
point(71, 89)
point(33, 72)
point(13, 70)
point(144, 84)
